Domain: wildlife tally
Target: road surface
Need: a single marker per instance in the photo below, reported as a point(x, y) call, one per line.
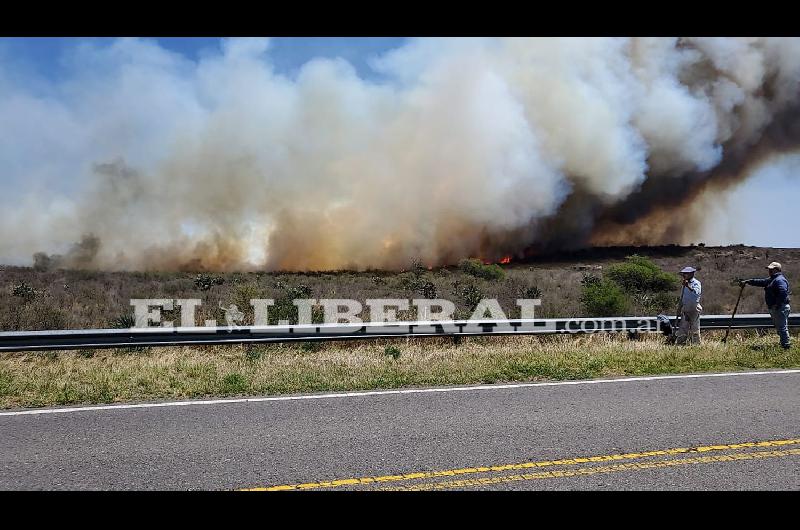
point(709, 431)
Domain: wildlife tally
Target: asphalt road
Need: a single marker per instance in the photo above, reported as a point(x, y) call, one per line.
point(729, 432)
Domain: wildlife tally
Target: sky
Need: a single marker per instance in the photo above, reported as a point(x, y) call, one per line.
point(45, 55)
point(762, 205)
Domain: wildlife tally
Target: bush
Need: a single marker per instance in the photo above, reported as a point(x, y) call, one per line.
point(234, 383)
point(640, 274)
point(204, 282)
point(427, 289)
point(419, 284)
point(242, 296)
point(311, 347)
point(531, 293)
point(284, 308)
point(474, 267)
point(24, 291)
point(603, 299)
point(589, 280)
point(417, 268)
point(654, 303)
point(123, 322)
point(252, 353)
point(471, 295)
point(300, 291)
point(392, 351)
point(43, 314)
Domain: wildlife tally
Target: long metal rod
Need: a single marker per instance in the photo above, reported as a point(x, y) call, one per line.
point(733, 316)
point(117, 338)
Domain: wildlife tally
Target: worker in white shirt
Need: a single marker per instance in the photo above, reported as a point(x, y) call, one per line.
point(690, 308)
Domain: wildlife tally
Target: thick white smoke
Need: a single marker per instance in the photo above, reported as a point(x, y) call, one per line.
point(470, 147)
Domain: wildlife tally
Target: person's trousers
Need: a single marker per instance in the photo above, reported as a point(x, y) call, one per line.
point(780, 317)
point(690, 326)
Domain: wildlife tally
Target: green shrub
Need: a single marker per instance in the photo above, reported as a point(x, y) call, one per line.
point(392, 351)
point(252, 353)
point(654, 303)
point(418, 284)
point(234, 383)
point(603, 299)
point(24, 291)
point(311, 347)
point(284, 308)
point(204, 282)
point(123, 322)
point(533, 292)
point(471, 295)
point(242, 296)
point(639, 273)
point(589, 280)
point(474, 267)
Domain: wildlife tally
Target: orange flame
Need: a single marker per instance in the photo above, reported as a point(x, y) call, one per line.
point(506, 259)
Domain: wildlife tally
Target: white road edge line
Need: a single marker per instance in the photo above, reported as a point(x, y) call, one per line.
point(389, 392)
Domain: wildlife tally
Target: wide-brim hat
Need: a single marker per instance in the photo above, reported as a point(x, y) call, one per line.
point(688, 269)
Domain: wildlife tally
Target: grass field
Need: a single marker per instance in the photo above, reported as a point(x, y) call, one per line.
point(106, 376)
point(51, 299)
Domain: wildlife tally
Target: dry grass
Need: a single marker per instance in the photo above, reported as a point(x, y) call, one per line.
point(60, 378)
point(89, 299)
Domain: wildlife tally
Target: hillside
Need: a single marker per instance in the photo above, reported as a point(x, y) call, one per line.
point(93, 299)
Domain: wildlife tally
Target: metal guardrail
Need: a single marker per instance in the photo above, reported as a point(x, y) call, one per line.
point(115, 338)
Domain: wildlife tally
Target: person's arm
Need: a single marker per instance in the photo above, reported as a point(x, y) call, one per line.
point(758, 282)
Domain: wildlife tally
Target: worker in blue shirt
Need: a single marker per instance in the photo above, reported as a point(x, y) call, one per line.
point(690, 308)
point(776, 294)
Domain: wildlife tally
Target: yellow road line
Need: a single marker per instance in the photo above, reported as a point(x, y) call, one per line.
point(524, 465)
point(585, 471)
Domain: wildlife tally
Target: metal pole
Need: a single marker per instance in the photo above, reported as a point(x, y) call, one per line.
point(724, 340)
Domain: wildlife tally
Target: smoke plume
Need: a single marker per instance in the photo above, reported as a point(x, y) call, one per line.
point(466, 147)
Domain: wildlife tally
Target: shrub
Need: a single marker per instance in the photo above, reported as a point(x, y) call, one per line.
point(419, 284)
point(603, 299)
point(471, 296)
point(474, 267)
point(234, 383)
point(284, 308)
point(123, 322)
point(392, 351)
point(242, 296)
point(532, 292)
point(639, 273)
point(42, 315)
point(653, 303)
point(427, 289)
point(252, 353)
point(24, 291)
point(589, 279)
point(311, 347)
point(204, 282)
point(417, 268)
point(299, 291)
